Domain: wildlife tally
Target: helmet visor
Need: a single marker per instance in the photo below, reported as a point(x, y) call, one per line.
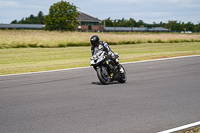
point(94, 43)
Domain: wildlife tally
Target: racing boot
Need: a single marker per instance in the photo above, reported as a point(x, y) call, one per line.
point(121, 69)
point(119, 66)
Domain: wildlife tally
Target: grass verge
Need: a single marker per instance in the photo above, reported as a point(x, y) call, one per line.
point(46, 39)
point(192, 130)
point(23, 60)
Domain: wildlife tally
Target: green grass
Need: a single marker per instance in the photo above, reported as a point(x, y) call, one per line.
point(23, 60)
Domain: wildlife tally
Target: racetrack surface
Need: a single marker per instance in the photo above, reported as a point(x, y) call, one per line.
point(158, 95)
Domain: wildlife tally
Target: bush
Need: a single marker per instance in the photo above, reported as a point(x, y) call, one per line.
point(125, 42)
point(170, 41)
point(112, 43)
point(78, 44)
point(184, 40)
point(62, 45)
point(159, 41)
point(192, 40)
point(19, 46)
point(138, 41)
point(34, 45)
point(176, 41)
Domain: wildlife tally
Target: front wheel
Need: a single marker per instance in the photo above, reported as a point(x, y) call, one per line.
point(103, 75)
point(123, 76)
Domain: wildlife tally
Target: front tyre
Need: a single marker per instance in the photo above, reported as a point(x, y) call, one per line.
point(123, 76)
point(103, 75)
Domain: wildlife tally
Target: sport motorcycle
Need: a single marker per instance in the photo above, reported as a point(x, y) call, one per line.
point(107, 70)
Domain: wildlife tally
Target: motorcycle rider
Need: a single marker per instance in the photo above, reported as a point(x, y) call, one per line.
point(97, 44)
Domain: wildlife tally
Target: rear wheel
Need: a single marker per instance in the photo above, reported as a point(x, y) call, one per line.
point(123, 76)
point(103, 75)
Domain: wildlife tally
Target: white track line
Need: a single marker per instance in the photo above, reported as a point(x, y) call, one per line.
point(89, 66)
point(181, 128)
point(44, 71)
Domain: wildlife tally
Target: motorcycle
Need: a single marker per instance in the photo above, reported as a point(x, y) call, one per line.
point(106, 69)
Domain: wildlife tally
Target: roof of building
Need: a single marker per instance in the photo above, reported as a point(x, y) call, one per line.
point(25, 26)
point(135, 29)
point(85, 18)
point(158, 29)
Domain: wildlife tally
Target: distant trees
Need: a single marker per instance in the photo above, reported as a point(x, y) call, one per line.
point(197, 28)
point(122, 23)
point(172, 25)
point(31, 19)
point(62, 16)
point(41, 17)
point(181, 26)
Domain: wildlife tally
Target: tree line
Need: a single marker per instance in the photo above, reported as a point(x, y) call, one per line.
point(173, 25)
point(39, 19)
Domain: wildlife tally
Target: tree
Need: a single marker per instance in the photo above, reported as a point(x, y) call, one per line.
point(62, 16)
point(14, 21)
point(31, 19)
point(197, 28)
point(131, 22)
point(190, 26)
point(140, 23)
point(108, 22)
point(121, 23)
point(171, 25)
point(41, 17)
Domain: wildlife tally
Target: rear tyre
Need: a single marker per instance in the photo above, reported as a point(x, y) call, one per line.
point(103, 75)
point(123, 76)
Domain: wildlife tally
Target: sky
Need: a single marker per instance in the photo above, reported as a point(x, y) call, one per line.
point(147, 10)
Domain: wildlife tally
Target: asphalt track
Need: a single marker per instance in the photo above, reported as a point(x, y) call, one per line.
point(158, 95)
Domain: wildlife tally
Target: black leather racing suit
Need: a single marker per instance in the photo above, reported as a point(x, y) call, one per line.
point(106, 48)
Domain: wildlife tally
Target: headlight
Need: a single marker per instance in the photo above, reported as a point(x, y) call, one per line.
point(92, 62)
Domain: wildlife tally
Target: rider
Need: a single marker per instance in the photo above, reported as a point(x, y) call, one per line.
point(97, 44)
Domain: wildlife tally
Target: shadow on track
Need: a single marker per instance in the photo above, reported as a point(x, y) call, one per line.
point(99, 83)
